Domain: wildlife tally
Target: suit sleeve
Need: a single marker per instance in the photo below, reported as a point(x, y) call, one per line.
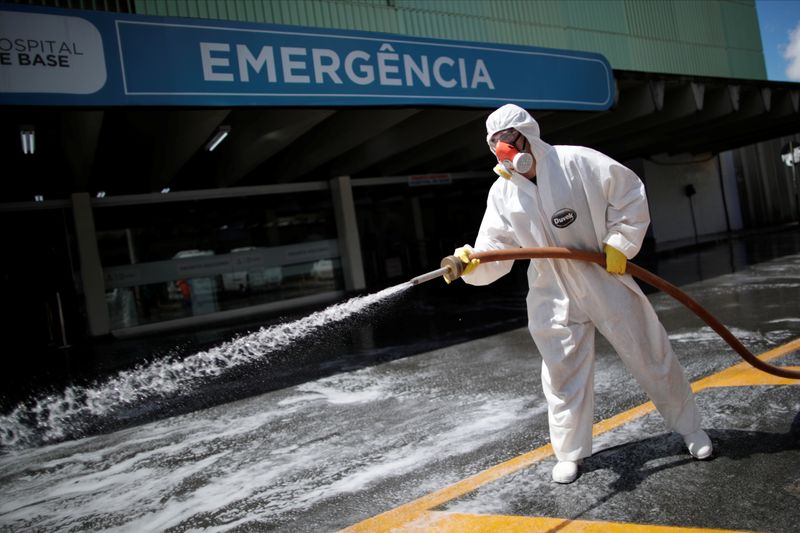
point(495, 233)
point(627, 212)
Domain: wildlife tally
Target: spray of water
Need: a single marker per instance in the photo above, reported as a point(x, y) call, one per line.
point(57, 416)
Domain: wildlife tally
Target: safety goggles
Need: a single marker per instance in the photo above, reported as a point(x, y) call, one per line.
point(509, 136)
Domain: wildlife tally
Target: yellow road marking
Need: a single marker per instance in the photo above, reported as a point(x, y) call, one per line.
point(742, 374)
point(402, 517)
point(623, 417)
point(442, 522)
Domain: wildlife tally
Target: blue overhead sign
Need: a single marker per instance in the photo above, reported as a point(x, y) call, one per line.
point(69, 57)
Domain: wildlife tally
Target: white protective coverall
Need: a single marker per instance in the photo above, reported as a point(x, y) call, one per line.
point(582, 199)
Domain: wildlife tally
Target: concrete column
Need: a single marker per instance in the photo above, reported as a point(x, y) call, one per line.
point(94, 290)
point(347, 231)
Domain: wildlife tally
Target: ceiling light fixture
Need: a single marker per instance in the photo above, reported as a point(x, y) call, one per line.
point(28, 137)
point(38, 198)
point(165, 190)
point(101, 194)
point(218, 137)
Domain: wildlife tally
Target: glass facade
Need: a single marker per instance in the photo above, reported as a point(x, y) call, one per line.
point(406, 230)
point(173, 260)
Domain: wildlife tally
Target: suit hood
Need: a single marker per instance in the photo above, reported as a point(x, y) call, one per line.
point(513, 116)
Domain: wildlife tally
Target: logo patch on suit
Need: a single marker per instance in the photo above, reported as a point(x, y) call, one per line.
point(564, 218)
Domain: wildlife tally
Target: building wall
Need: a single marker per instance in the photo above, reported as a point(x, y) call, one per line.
point(672, 210)
point(767, 187)
point(693, 37)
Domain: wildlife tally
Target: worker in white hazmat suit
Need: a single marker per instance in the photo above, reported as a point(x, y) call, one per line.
point(578, 198)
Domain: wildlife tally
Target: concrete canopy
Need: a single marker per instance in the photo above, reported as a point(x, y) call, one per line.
point(139, 150)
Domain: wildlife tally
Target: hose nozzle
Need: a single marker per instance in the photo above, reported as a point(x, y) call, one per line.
point(454, 266)
point(451, 269)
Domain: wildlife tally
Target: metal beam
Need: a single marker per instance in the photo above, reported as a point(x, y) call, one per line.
point(434, 156)
point(755, 123)
point(635, 103)
point(410, 133)
point(344, 131)
point(678, 123)
point(181, 135)
point(257, 135)
point(751, 106)
point(681, 102)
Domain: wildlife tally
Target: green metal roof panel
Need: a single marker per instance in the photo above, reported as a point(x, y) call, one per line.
point(598, 15)
point(694, 37)
point(616, 48)
point(744, 62)
point(653, 20)
point(538, 13)
point(741, 25)
point(699, 22)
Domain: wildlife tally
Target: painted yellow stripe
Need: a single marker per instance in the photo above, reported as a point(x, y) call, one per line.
point(412, 511)
point(743, 374)
point(441, 522)
point(400, 517)
point(626, 416)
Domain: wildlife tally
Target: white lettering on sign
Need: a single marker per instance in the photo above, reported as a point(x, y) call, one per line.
point(387, 68)
point(367, 75)
point(209, 61)
point(420, 70)
point(265, 59)
point(330, 66)
point(50, 54)
point(387, 65)
point(290, 65)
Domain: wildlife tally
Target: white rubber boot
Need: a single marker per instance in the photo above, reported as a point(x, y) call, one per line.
point(565, 471)
point(699, 444)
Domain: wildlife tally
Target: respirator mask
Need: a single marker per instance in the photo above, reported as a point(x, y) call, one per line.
point(509, 157)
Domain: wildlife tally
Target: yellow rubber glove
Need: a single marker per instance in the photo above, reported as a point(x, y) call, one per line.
point(616, 262)
point(463, 253)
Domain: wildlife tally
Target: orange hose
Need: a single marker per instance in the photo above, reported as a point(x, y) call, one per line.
point(649, 278)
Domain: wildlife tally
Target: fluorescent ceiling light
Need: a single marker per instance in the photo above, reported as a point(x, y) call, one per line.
point(38, 198)
point(28, 138)
point(101, 194)
point(165, 190)
point(218, 137)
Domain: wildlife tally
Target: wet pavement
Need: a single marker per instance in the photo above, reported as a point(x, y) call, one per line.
point(433, 315)
point(425, 413)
